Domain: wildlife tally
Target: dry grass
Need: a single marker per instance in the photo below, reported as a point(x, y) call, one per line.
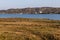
point(29, 29)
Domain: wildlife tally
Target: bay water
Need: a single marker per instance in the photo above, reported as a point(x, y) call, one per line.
point(48, 16)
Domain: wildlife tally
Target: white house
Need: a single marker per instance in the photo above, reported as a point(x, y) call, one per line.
point(41, 12)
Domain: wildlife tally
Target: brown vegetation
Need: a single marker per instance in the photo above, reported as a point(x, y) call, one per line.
point(29, 29)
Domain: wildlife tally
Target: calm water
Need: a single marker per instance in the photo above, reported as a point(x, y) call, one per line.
point(49, 16)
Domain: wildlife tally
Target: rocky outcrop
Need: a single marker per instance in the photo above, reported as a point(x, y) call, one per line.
point(41, 10)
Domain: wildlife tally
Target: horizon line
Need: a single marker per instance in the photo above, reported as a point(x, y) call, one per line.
point(28, 7)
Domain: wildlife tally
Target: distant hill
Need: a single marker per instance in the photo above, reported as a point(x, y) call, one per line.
point(37, 10)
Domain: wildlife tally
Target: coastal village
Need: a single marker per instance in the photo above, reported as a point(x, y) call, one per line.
point(37, 10)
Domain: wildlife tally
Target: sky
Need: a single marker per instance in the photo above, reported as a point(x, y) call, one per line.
point(7, 4)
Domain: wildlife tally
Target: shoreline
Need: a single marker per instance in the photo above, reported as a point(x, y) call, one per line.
point(32, 18)
point(29, 19)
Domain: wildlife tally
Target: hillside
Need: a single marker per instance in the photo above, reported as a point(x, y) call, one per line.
point(29, 29)
point(36, 10)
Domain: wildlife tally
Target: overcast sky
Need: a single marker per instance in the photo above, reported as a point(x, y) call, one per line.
point(6, 4)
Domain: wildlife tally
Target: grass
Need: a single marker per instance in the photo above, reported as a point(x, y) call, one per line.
point(29, 29)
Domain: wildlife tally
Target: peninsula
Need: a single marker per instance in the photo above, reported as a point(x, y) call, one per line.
point(36, 10)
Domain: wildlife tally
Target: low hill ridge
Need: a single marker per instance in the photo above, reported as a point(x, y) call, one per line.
point(36, 10)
